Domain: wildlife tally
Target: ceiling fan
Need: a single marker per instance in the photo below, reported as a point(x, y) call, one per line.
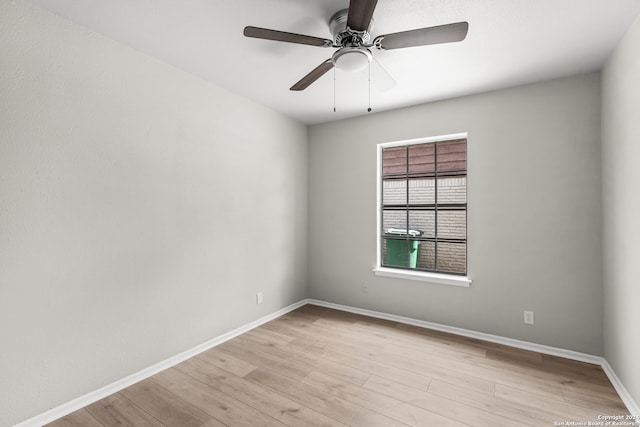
point(350, 28)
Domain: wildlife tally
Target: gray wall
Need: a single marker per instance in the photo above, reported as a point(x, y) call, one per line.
point(534, 213)
point(141, 209)
point(621, 176)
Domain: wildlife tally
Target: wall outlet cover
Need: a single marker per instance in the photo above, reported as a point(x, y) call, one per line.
point(528, 317)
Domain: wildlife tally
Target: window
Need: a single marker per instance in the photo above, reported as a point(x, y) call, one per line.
point(423, 208)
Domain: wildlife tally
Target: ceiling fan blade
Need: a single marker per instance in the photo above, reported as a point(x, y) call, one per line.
point(314, 75)
point(360, 14)
point(425, 36)
point(282, 36)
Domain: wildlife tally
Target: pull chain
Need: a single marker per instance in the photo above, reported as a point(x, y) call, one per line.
point(334, 89)
point(369, 109)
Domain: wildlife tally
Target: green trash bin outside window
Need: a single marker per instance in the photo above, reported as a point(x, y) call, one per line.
point(405, 252)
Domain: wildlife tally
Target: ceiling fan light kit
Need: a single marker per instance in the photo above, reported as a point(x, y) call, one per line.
point(351, 29)
point(351, 59)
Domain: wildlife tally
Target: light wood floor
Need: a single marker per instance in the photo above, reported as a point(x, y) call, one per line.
point(321, 367)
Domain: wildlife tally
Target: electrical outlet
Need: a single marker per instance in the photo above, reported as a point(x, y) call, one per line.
point(528, 317)
point(259, 298)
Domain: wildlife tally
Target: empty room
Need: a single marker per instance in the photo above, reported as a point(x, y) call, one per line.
point(319, 213)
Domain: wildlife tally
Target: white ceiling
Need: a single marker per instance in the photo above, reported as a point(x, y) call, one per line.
point(510, 42)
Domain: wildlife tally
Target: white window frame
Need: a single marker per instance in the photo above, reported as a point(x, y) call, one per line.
point(424, 276)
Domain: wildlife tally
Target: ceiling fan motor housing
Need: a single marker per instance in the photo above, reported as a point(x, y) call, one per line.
point(344, 36)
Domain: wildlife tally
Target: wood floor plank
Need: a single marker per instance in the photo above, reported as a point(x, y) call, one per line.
point(367, 335)
point(260, 344)
point(458, 343)
point(490, 403)
point(271, 336)
point(307, 359)
point(75, 419)
point(252, 355)
point(116, 410)
point(399, 363)
point(560, 409)
point(514, 380)
point(318, 312)
point(602, 405)
point(425, 338)
point(165, 406)
point(321, 367)
point(331, 406)
point(500, 356)
point(425, 344)
point(402, 367)
point(218, 404)
point(514, 355)
point(373, 367)
point(600, 397)
point(279, 407)
point(379, 402)
point(440, 405)
point(227, 362)
point(318, 361)
point(584, 371)
point(499, 372)
point(537, 366)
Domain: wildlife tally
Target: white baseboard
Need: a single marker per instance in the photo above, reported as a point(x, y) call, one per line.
point(89, 398)
point(631, 405)
point(553, 351)
point(115, 387)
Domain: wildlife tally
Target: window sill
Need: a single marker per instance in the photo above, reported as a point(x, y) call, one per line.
point(423, 276)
